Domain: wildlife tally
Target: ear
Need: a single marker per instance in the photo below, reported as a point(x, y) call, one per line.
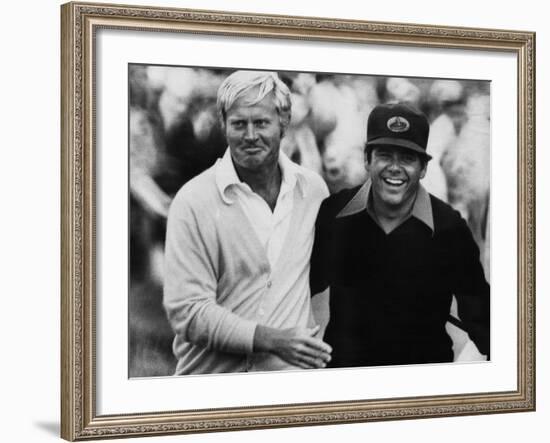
point(284, 122)
point(282, 129)
point(366, 159)
point(367, 164)
point(221, 120)
point(424, 170)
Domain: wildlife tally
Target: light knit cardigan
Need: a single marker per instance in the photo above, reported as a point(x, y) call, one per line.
point(217, 276)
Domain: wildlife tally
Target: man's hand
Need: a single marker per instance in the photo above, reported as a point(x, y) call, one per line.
point(296, 346)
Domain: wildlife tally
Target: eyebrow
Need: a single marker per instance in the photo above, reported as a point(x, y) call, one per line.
point(397, 149)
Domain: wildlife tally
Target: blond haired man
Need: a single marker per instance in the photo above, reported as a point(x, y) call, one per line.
point(238, 244)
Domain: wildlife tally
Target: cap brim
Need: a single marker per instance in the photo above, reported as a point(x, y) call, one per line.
point(402, 143)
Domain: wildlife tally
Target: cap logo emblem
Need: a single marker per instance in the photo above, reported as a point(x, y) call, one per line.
point(398, 124)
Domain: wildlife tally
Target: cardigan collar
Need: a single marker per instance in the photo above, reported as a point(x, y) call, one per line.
point(226, 176)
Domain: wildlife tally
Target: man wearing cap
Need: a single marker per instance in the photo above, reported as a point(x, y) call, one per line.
point(393, 256)
point(238, 243)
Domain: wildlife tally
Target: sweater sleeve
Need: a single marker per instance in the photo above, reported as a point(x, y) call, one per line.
point(190, 285)
point(319, 270)
point(472, 290)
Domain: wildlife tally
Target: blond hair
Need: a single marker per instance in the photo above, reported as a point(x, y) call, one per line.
point(241, 82)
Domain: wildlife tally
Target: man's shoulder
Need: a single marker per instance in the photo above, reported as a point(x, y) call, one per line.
point(333, 204)
point(313, 182)
point(199, 192)
point(445, 216)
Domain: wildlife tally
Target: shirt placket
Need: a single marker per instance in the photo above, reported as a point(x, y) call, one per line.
point(273, 221)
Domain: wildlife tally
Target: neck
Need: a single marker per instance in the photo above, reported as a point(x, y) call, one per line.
point(266, 182)
point(390, 216)
point(262, 179)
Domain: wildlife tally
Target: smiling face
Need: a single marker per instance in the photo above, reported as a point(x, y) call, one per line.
point(395, 175)
point(253, 132)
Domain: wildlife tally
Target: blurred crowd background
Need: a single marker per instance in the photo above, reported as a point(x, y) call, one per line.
point(175, 135)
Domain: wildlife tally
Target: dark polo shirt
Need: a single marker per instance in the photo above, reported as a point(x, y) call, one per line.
point(390, 294)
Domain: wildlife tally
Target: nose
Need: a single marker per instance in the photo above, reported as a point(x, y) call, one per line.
point(394, 162)
point(250, 134)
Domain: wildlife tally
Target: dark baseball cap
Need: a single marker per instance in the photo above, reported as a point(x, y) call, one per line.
point(398, 124)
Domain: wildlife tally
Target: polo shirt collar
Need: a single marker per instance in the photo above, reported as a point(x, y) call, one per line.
point(226, 176)
point(422, 209)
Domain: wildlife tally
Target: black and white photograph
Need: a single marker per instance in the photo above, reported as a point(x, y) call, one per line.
point(294, 219)
point(306, 220)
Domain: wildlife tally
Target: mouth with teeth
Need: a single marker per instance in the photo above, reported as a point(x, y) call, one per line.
point(396, 182)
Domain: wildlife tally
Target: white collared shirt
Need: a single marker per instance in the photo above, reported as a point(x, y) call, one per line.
point(270, 227)
point(219, 283)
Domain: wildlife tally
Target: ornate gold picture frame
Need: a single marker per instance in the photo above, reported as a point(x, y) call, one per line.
point(81, 417)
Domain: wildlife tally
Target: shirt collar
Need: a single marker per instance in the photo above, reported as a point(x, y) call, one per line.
point(226, 176)
point(422, 209)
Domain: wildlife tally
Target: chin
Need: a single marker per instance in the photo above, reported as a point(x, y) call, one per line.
point(392, 197)
point(394, 202)
point(252, 164)
point(395, 199)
